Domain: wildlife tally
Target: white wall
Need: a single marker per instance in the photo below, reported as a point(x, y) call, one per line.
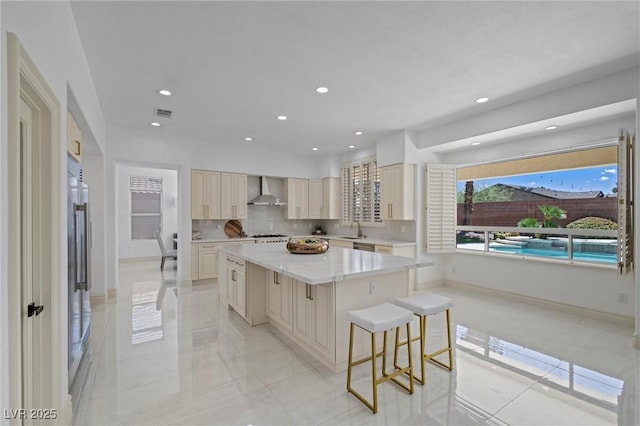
point(128, 248)
point(48, 33)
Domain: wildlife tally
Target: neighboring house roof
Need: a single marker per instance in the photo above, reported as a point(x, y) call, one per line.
point(553, 193)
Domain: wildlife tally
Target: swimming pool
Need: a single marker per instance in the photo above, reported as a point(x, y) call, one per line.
point(556, 253)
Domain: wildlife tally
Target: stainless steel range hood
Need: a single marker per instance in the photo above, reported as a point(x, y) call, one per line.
point(265, 198)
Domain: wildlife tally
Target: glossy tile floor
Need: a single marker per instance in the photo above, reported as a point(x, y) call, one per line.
point(163, 354)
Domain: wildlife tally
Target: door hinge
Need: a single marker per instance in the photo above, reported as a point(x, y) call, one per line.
point(32, 309)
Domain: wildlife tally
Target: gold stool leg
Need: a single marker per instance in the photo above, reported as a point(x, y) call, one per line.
point(350, 358)
point(409, 350)
point(423, 343)
point(373, 372)
point(449, 339)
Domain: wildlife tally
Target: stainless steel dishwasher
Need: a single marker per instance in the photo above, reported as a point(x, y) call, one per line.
point(364, 246)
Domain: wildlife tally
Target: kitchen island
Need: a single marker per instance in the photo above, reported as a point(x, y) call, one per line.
point(307, 296)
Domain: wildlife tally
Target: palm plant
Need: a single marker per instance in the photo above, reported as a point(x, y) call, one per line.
point(550, 213)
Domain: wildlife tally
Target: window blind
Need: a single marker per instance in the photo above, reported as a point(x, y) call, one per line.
point(441, 207)
point(146, 207)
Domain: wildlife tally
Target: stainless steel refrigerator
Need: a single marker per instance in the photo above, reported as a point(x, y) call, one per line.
point(79, 249)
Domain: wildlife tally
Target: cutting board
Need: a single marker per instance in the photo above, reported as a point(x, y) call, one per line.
point(233, 228)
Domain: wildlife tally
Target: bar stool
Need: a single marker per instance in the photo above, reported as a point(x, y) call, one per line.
point(383, 317)
point(424, 305)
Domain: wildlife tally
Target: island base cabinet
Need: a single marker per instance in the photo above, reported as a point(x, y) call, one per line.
point(246, 290)
point(280, 300)
point(314, 318)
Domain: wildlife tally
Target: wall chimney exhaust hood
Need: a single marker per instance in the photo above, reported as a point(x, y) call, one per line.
point(265, 198)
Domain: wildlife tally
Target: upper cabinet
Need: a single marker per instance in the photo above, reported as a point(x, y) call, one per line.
point(216, 195)
point(74, 138)
point(330, 198)
point(205, 194)
point(298, 198)
point(233, 196)
point(315, 198)
point(397, 192)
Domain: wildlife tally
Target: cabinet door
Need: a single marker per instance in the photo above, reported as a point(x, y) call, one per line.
point(273, 295)
point(212, 195)
point(397, 198)
point(331, 198)
point(197, 194)
point(195, 275)
point(233, 196)
point(232, 284)
point(323, 332)
point(315, 198)
point(240, 196)
point(285, 317)
point(241, 293)
point(386, 192)
point(298, 199)
point(340, 243)
point(207, 261)
point(384, 249)
point(302, 311)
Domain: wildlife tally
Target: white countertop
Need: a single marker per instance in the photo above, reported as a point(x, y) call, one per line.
point(221, 240)
point(337, 264)
point(378, 241)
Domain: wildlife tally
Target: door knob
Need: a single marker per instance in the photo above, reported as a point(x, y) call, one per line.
point(32, 309)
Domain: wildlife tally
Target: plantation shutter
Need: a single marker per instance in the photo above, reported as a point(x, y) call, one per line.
point(146, 207)
point(346, 194)
point(361, 192)
point(441, 208)
point(625, 202)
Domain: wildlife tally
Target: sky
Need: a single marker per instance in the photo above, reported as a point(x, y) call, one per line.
point(601, 178)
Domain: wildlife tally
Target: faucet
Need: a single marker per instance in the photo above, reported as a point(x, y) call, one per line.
point(359, 229)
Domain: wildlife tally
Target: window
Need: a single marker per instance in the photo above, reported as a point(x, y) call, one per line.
point(146, 207)
point(573, 200)
point(361, 192)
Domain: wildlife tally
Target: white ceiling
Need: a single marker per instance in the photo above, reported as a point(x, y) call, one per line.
point(234, 66)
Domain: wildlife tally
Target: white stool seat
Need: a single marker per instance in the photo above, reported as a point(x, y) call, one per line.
point(425, 304)
point(384, 316)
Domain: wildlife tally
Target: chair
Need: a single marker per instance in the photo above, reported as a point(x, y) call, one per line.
point(166, 254)
point(424, 305)
point(382, 317)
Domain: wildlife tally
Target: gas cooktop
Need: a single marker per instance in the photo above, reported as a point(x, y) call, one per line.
point(268, 236)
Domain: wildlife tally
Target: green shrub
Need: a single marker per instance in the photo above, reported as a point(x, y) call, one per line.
point(592, 222)
point(529, 222)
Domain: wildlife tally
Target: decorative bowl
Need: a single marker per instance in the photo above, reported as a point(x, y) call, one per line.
point(307, 245)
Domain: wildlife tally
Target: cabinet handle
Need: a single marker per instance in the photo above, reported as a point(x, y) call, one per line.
point(275, 278)
point(77, 147)
point(233, 275)
point(306, 290)
point(310, 292)
point(392, 210)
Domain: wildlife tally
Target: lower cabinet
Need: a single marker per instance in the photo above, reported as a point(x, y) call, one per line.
point(306, 312)
point(280, 300)
point(314, 317)
point(207, 261)
point(236, 285)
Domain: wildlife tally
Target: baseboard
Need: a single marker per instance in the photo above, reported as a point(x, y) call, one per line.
point(112, 292)
point(99, 299)
point(429, 284)
point(138, 259)
point(65, 415)
point(542, 302)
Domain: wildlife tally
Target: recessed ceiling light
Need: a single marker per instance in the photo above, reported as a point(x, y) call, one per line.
point(475, 143)
point(358, 133)
point(248, 139)
point(322, 89)
point(155, 124)
point(314, 149)
point(551, 127)
point(281, 117)
point(482, 100)
point(164, 92)
point(351, 146)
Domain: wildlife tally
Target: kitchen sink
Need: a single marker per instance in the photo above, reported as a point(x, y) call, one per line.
point(351, 238)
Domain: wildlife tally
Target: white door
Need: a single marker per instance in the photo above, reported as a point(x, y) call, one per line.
point(31, 272)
